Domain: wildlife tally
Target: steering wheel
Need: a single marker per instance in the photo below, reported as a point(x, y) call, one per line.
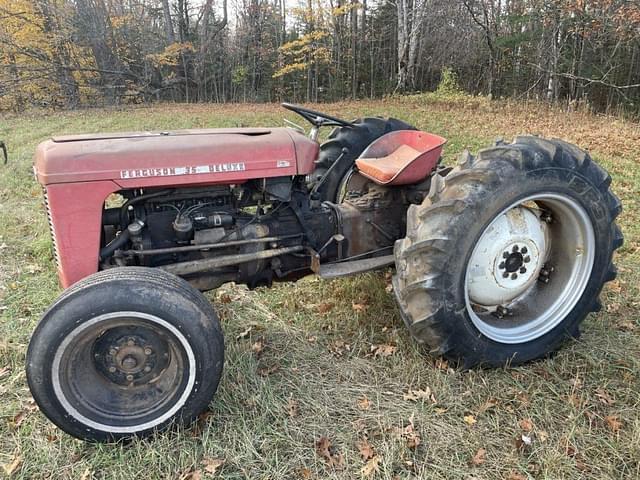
point(317, 119)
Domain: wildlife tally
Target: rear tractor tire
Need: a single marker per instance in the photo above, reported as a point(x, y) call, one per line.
point(124, 353)
point(508, 253)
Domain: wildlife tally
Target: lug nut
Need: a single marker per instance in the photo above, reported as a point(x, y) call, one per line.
point(505, 255)
point(523, 250)
point(544, 280)
point(515, 248)
point(148, 351)
point(527, 259)
point(514, 276)
point(523, 270)
point(112, 369)
point(502, 312)
point(502, 265)
point(129, 377)
point(147, 369)
point(112, 351)
point(131, 342)
point(546, 217)
point(505, 274)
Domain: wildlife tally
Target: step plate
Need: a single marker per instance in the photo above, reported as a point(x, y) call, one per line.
point(335, 270)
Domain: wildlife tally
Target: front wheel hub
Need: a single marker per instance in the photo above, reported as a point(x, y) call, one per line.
point(508, 258)
point(127, 355)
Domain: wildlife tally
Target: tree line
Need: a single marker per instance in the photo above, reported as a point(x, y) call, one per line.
point(71, 53)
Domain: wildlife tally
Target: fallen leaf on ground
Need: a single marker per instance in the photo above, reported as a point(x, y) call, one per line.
point(371, 467)
point(441, 364)
point(410, 435)
point(516, 476)
point(13, 466)
point(5, 371)
point(526, 424)
point(86, 475)
point(24, 413)
point(627, 325)
point(383, 350)
point(258, 346)
point(469, 419)
point(292, 407)
point(569, 449)
point(266, 371)
point(224, 298)
point(339, 347)
point(604, 397)
point(489, 404)
point(413, 439)
point(364, 403)
point(328, 453)
point(613, 423)
point(211, 465)
point(304, 473)
point(479, 457)
point(365, 449)
point(359, 307)
point(245, 333)
point(542, 435)
point(325, 307)
point(523, 398)
point(191, 475)
point(415, 395)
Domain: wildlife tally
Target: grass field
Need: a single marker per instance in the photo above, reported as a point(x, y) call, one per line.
point(307, 368)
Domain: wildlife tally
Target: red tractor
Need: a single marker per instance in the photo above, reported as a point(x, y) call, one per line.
point(497, 259)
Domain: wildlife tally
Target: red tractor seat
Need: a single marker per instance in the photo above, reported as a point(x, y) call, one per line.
point(402, 157)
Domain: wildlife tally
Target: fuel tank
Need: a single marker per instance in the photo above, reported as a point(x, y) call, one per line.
point(182, 157)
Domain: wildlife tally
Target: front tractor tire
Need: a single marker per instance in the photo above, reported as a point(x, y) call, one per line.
point(508, 253)
point(124, 353)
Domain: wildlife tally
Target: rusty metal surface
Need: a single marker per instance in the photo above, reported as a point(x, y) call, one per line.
point(207, 246)
point(342, 269)
point(186, 268)
point(373, 220)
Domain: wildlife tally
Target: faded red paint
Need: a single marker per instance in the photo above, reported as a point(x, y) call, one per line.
point(264, 153)
point(79, 172)
point(75, 212)
point(402, 157)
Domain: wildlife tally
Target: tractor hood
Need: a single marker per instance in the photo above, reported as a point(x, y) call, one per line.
point(145, 159)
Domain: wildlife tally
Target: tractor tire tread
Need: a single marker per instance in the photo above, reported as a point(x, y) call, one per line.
point(424, 256)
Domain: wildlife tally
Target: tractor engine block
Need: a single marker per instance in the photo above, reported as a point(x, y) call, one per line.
point(251, 233)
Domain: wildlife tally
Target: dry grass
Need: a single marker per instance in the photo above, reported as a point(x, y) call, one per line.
point(316, 375)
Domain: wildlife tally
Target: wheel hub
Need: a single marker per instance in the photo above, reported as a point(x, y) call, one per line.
point(129, 358)
point(508, 258)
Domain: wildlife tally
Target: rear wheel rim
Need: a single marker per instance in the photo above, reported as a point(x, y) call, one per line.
point(124, 372)
point(555, 278)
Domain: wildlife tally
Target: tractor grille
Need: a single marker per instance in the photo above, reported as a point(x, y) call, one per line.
point(51, 228)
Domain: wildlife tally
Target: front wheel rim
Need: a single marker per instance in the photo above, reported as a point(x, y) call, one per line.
point(552, 282)
point(83, 357)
